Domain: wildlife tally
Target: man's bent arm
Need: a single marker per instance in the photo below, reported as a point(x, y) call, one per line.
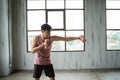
point(36, 48)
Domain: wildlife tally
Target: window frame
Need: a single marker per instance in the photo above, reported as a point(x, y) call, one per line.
point(109, 9)
point(64, 23)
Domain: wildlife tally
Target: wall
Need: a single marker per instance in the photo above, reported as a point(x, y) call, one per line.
point(10, 36)
point(95, 55)
point(19, 33)
point(5, 37)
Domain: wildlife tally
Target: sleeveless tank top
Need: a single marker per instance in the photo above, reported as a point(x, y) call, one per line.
point(42, 57)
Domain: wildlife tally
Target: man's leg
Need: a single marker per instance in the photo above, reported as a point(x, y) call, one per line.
point(52, 78)
point(36, 78)
point(37, 72)
point(49, 71)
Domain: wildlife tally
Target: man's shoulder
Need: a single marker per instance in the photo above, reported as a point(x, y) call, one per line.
point(36, 37)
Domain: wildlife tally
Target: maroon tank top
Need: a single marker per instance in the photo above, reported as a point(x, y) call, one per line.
point(42, 57)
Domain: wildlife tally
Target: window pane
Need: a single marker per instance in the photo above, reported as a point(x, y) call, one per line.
point(113, 40)
point(74, 4)
point(113, 4)
point(31, 35)
point(36, 4)
point(35, 19)
point(55, 19)
point(75, 44)
point(55, 4)
point(113, 19)
point(74, 19)
point(58, 45)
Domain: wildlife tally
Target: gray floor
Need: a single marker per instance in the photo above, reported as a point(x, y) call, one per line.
point(69, 75)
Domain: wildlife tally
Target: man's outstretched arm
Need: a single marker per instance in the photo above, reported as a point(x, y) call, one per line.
point(58, 38)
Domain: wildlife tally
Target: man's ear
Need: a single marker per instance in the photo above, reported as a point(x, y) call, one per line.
point(42, 31)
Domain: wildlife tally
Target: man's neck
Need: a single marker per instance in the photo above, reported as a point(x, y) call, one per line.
point(42, 37)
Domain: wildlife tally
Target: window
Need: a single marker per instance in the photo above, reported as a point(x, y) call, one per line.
point(65, 16)
point(113, 24)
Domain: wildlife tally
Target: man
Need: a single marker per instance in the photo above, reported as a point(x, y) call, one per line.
point(41, 47)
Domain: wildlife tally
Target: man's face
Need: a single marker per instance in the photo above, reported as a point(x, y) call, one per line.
point(46, 34)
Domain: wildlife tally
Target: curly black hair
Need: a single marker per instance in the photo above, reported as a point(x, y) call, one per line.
point(46, 27)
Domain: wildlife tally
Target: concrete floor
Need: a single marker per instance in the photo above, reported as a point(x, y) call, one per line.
point(69, 75)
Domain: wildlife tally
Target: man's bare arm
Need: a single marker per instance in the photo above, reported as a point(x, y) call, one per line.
point(58, 38)
point(36, 47)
